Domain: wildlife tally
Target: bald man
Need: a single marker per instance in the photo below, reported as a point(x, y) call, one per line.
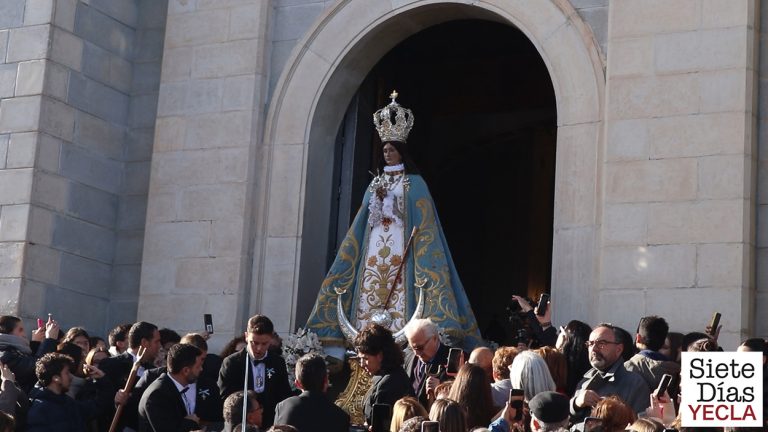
point(483, 357)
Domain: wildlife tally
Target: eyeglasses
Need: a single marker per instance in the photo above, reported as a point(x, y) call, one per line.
point(600, 343)
point(422, 346)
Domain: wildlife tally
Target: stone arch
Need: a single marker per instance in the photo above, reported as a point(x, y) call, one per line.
point(325, 70)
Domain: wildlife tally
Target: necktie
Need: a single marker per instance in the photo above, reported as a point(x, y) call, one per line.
point(420, 372)
point(186, 401)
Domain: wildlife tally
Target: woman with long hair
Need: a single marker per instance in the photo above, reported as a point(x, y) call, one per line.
point(449, 414)
point(382, 358)
point(96, 355)
point(472, 390)
point(404, 409)
point(572, 343)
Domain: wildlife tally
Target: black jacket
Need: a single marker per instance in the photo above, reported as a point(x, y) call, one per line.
point(276, 387)
point(208, 403)
point(312, 412)
point(117, 369)
point(50, 412)
point(387, 388)
point(162, 409)
point(23, 365)
point(440, 359)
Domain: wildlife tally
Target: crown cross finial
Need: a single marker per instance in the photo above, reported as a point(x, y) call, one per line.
point(393, 122)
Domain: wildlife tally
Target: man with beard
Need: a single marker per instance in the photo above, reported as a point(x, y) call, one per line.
point(167, 405)
point(50, 407)
point(608, 375)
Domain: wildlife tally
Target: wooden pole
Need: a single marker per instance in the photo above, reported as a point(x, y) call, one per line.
point(128, 387)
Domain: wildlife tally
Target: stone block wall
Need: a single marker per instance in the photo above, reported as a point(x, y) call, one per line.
point(292, 20)
point(595, 15)
point(678, 213)
point(198, 241)
point(83, 108)
point(25, 32)
point(761, 259)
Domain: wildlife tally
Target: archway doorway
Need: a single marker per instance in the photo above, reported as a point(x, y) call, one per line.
point(484, 141)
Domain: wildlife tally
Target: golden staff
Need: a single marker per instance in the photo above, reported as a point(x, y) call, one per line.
point(400, 267)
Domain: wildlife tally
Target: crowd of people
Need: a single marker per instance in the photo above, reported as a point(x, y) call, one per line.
point(577, 378)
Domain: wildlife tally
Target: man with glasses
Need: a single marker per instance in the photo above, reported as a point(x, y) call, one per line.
point(608, 376)
point(424, 357)
point(233, 410)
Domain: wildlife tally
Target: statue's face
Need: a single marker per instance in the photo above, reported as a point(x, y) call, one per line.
point(391, 155)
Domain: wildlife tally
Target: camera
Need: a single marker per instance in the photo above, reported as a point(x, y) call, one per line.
point(518, 330)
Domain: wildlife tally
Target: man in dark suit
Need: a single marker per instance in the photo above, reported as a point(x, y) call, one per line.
point(208, 406)
point(425, 357)
point(312, 411)
point(117, 369)
point(267, 374)
point(166, 405)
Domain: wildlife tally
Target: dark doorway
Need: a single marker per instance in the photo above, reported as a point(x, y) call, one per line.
point(484, 139)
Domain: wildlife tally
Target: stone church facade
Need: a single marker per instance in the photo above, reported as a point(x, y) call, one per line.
point(155, 154)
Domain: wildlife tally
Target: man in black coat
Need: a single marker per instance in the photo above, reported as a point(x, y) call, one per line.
point(117, 369)
point(208, 405)
point(312, 411)
point(166, 405)
point(267, 373)
point(51, 410)
point(425, 357)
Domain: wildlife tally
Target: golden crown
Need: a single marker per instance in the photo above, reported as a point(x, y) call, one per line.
point(398, 129)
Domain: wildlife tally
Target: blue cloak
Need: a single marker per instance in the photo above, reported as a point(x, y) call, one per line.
point(429, 260)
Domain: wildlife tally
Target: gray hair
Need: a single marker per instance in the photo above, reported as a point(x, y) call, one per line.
point(530, 373)
point(423, 324)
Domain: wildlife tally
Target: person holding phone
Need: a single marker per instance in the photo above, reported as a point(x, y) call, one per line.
point(382, 358)
point(449, 415)
point(540, 321)
point(15, 350)
point(649, 363)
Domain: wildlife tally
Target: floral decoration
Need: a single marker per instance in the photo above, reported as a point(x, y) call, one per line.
point(295, 345)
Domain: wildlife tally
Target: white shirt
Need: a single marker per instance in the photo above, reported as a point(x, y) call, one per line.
point(257, 374)
point(189, 397)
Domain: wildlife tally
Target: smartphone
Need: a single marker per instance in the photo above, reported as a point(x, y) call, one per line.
point(516, 397)
point(714, 323)
point(381, 417)
point(454, 357)
point(593, 424)
point(542, 306)
point(40, 323)
point(663, 384)
point(430, 426)
point(208, 319)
